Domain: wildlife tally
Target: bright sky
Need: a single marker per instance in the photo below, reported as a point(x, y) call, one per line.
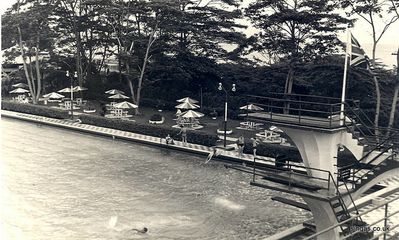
point(387, 45)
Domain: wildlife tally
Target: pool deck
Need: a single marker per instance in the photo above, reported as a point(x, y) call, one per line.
point(134, 137)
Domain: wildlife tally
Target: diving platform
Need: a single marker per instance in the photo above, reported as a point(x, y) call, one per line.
point(320, 127)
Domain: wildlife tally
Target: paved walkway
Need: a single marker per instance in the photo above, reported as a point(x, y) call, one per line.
point(125, 135)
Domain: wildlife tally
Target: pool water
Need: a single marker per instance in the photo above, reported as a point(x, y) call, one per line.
point(59, 184)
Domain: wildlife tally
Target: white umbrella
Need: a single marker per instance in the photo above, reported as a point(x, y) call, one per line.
point(251, 107)
point(79, 88)
point(20, 85)
point(178, 112)
point(275, 129)
point(118, 96)
point(187, 99)
point(187, 105)
point(66, 90)
point(19, 90)
point(125, 105)
point(192, 114)
point(53, 95)
point(114, 91)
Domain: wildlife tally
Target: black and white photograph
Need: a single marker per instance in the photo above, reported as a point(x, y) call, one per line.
point(199, 120)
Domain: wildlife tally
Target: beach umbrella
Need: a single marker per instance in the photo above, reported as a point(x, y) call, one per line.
point(114, 91)
point(275, 129)
point(20, 85)
point(187, 105)
point(187, 99)
point(66, 90)
point(251, 107)
point(79, 88)
point(125, 105)
point(118, 96)
point(178, 112)
point(192, 114)
point(19, 90)
point(53, 95)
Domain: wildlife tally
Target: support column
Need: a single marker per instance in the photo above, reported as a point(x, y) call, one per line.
point(324, 217)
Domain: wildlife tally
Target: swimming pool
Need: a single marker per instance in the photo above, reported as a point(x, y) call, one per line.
point(59, 184)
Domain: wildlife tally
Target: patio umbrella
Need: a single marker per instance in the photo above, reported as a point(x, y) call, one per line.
point(19, 90)
point(275, 129)
point(66, 90)
point(187, 99)
point(125, 105)
point(53, 95)
point(114, 91)
point(192, 114)
point(178, 112)
point(20, 85)
point(187, 105)
point(251, 107)
point(118, 96)
point(79, 88)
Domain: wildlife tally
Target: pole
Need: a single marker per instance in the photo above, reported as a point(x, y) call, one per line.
point(347, 52)
point(385, 221)
point(225, 121)
point(201, 95)
point(72, 97)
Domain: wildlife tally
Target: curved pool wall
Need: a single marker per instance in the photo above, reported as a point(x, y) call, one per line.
point(59, 184)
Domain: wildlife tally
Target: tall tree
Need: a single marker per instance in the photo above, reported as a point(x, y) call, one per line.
point(376, 14)
point(395, 95)
point(296, 31)
point(26, 25)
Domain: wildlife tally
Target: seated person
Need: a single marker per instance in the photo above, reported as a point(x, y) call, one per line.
point(169, 140)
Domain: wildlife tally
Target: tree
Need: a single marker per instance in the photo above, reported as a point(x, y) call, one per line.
point(26, 25)
point(395, 95)
point(296, 31)
point(373, 12)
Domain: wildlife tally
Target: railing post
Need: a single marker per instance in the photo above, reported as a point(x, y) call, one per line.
point(300, 109)
point(330, 115)
point(329, 181)
point(253, 177)
point(271, 108)
point(385, 221)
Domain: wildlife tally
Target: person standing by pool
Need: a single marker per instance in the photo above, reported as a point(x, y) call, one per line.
point(240, 144)
point(255, 143)
point(183, 132)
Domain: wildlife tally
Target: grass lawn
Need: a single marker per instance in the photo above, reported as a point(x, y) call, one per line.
point(210, 125)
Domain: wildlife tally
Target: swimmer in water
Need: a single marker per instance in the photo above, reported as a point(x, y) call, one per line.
point(144, 230)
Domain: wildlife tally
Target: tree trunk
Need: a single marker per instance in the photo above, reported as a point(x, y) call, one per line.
point(288, 87)
point(377, 106)
point(21, 46)
point(129, 80)
point(151, 41)
point(395, 96)
point(38, 75)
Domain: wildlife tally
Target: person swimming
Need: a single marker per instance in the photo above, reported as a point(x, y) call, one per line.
point(144, 230)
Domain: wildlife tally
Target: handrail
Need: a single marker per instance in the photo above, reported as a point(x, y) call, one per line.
point(372, 150)
point(313, 96)
point(371, 224)
point(370, 170)
point(350, 219)
point(370, 123)
point(287, 166)
point(353, 202)
point(293, 100)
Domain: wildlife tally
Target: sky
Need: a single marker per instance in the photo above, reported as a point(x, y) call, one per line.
point(388, 44)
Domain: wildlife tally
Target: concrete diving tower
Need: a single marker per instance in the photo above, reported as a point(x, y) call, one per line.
point(328, 187)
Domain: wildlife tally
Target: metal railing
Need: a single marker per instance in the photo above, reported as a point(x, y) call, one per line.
point(329, 180)
point(360, 230)
point(287, 167)
point(299, 109)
